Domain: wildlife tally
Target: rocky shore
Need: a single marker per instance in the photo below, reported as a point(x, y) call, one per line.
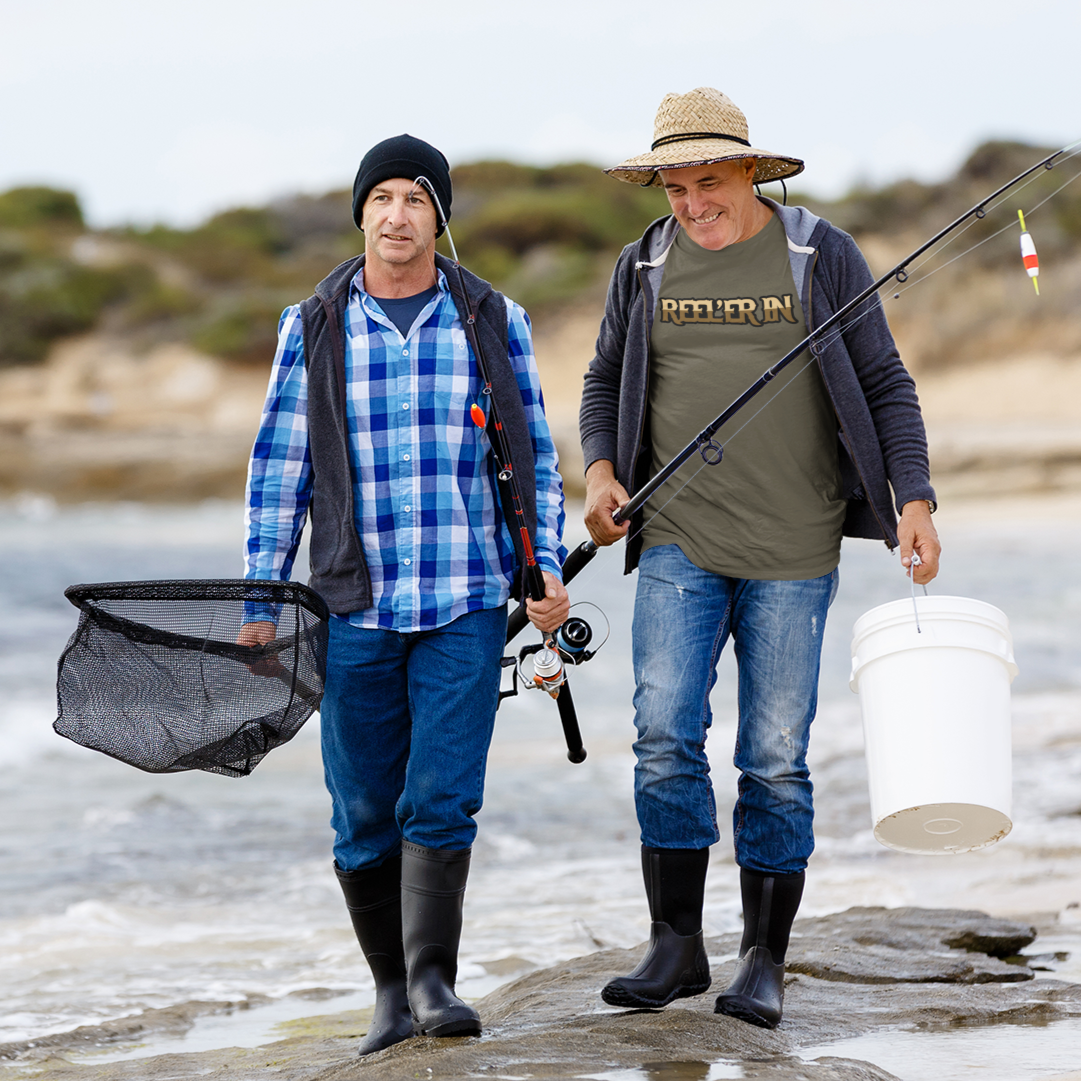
point(862, 971)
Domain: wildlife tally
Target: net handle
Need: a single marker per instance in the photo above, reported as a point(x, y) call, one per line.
point(154, 636)
point(255, 590)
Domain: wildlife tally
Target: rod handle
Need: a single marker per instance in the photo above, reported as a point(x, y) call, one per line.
point(568, 716)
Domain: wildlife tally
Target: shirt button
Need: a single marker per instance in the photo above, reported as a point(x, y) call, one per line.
point(405, 352)
point(407, 509)
point(405, 457)
point(405, 405)
point(408, 562)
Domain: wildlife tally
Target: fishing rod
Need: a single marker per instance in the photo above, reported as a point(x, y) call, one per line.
point(549, 670)
point(710, 450)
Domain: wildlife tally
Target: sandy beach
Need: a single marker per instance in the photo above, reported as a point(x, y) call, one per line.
point(100, 420)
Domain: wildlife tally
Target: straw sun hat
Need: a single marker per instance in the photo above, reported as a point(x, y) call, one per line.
point(699, 128)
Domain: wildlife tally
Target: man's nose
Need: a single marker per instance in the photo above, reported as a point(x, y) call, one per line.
point(399, 212)
point(697, 202)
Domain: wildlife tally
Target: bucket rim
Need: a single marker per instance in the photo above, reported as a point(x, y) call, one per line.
point(874, 634)
point(932, 608)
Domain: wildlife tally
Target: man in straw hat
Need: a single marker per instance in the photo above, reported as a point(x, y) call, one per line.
point(367, 428)
point(699, 308)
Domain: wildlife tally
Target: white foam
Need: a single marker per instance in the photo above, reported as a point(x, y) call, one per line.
point(26, 733)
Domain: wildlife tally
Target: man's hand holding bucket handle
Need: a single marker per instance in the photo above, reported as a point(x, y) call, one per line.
point(916, 532)
point(604, 495)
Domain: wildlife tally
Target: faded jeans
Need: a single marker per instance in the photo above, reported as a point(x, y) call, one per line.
point(406, 722)
point(683, 617)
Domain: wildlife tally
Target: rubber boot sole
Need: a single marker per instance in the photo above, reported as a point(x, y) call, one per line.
point(742, 1011)
point(465, 1026)
point(621, 996)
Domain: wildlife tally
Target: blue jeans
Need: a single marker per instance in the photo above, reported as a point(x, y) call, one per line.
point(406, 723)
point(682, 618)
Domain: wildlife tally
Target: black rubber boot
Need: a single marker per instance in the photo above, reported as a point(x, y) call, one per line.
point(433, 886)
point(770, 903)
point(374, 899)
point(675, 965)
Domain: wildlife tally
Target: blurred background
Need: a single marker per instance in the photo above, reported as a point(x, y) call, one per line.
point(173, 176)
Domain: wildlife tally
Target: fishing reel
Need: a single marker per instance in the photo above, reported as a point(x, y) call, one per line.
point(549, 658)
point(569, 645)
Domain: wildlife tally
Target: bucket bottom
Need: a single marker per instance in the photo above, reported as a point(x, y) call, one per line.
point(942, 829)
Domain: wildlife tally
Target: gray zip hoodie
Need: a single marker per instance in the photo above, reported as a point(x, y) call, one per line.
point(883, 442)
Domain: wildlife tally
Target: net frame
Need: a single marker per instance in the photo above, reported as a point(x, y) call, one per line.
point(232, 747)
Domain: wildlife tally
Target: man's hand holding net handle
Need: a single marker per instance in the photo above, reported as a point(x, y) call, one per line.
point(263, 633)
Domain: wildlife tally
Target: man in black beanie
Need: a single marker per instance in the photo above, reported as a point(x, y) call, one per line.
point(368, 429)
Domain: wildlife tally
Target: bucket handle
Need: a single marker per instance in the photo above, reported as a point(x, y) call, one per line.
point(916, 562)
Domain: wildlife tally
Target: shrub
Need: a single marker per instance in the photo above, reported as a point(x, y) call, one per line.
point(246, 330)
point(47, 299)
point(23, 208)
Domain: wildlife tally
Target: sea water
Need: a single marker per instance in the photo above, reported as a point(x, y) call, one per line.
point(122, 892)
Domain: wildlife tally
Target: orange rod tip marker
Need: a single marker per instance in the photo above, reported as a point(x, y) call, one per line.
point(1028, 254)
point(478, 416)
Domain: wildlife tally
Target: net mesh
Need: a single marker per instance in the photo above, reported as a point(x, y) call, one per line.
point(153, 675)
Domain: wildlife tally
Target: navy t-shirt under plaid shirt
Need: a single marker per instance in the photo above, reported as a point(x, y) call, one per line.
point(423, 475)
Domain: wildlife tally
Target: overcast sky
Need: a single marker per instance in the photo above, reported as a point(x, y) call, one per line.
point(154, 111)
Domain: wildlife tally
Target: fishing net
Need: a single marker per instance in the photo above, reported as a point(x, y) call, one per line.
point(153, 675)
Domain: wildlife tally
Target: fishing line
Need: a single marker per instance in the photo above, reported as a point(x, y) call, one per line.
point(431, 255)
point(1006, 228)
point(548, 665)
point(992, 208)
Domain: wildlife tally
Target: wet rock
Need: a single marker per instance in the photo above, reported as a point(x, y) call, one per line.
point(923, 928)
point(1004, 939)
point(552, 1023)
point(880, 964)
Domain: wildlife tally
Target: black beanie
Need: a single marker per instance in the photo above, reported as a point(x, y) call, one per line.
point(406, 157)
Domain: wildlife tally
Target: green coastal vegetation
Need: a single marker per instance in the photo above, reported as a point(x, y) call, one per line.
point(546, 236)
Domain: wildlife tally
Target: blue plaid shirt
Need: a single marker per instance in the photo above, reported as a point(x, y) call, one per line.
point(423, 477)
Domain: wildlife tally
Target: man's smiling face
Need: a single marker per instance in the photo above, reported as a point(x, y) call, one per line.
point(715, 204)
point(399, 223)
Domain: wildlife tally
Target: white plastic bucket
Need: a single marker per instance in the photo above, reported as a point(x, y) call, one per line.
point(936, 722)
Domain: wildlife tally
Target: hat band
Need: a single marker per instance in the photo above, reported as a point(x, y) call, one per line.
point(696, 135)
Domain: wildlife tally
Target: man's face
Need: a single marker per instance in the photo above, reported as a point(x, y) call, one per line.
point(715, 204)
point(399, 223)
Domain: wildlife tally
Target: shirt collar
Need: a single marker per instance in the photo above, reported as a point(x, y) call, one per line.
point(356, 286)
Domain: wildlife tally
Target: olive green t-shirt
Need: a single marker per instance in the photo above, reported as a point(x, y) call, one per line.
point(772, 508)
